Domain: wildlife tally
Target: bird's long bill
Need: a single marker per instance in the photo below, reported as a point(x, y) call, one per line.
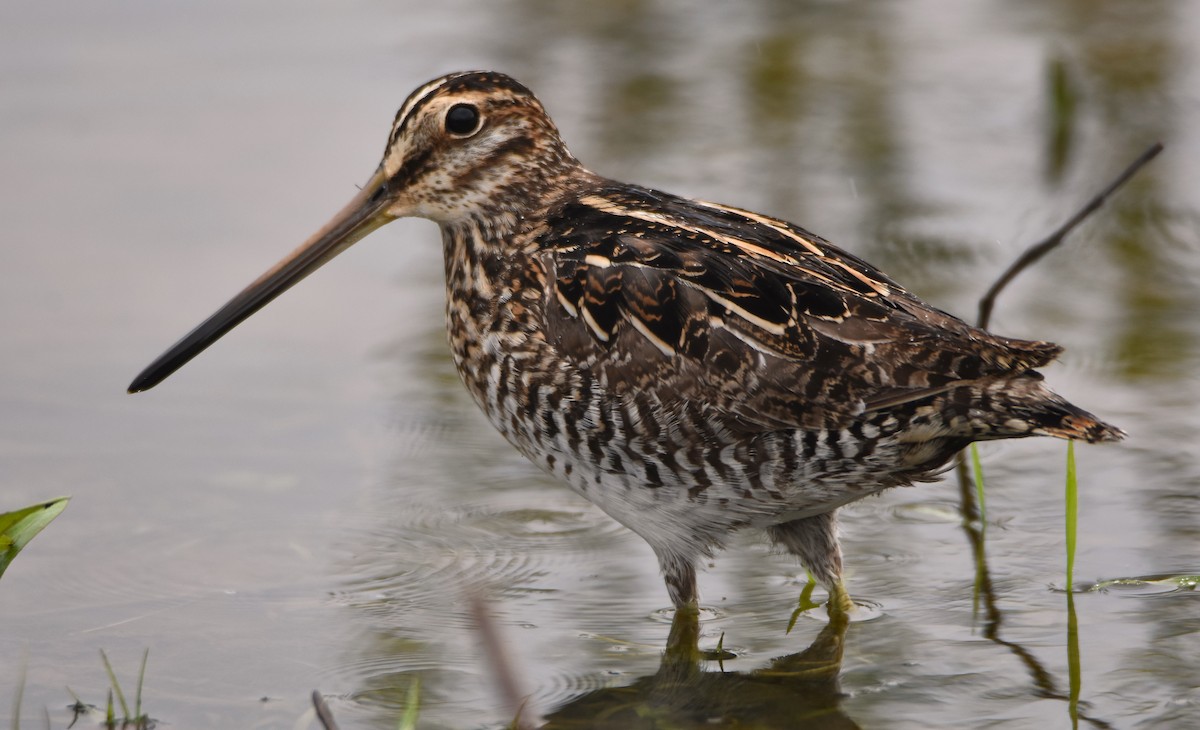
point(363, 214)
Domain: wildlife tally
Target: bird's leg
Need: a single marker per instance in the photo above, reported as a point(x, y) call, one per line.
point(679, 573)
point(814, 541)
point(683, 643)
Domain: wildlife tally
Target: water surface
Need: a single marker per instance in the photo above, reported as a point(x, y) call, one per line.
point(311, 502)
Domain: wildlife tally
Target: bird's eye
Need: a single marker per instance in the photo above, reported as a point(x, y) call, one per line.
point(462, 119)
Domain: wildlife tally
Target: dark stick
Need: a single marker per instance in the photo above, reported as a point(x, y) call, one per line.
point(1055, 239)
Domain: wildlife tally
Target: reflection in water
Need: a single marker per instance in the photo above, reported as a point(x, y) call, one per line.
point(1043, 681)
point(1115, 73)
point(1154, 341)
point(1062, 95)
point(797, 690)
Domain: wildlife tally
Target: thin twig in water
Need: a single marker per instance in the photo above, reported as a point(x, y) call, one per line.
point(1055, 239)
point(323, 713)
point(502, 665)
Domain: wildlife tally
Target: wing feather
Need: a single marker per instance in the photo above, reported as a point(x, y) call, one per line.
point(704, 302)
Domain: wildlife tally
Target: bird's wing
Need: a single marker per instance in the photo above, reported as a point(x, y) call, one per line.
point(770, 324)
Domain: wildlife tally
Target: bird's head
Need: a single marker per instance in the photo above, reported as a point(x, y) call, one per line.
point(475, 145)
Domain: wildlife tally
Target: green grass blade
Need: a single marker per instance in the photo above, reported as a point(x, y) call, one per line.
point(412, 705)
point(977, 473)
point(18, 528)
point(137, 703)
point(1073, 663)
point(1072, 509)
point(116, 686)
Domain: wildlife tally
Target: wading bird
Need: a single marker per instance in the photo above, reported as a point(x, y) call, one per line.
point(689, 367)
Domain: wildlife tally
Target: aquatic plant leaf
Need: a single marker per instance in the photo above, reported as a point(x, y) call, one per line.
point(1172, 584)
point(980, 493)
point(1074, 664)
point(19, 527)
point(412, 705)
point(1072, 510)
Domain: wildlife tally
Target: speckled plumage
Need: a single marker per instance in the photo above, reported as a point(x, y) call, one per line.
point(688, 367)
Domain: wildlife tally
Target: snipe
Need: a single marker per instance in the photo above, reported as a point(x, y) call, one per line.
point(689, 367)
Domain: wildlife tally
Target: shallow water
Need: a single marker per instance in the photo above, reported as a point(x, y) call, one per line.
point(312, 502)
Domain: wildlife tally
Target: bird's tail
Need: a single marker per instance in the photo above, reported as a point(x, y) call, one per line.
point(1026, 407)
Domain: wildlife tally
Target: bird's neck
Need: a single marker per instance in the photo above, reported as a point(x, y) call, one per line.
point(488, 240)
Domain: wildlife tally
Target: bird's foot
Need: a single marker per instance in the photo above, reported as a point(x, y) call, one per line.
point(839, 604)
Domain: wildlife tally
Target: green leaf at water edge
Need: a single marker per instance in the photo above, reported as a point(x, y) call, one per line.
point(1074, 665)
point(19, 527)
point(1072, 510)
point(412, 705)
